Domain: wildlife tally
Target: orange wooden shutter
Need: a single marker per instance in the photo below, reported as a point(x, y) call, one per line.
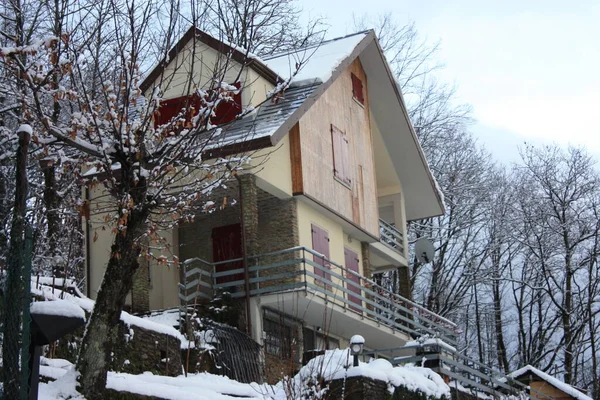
point(357, 89)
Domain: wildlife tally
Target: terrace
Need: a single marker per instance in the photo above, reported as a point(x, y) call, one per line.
point(303, 283)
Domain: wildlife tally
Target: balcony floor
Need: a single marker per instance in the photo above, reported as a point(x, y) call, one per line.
point(317, 310)
point(384, 258)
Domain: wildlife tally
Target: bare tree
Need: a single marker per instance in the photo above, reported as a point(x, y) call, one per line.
point(154, 174)
point(262, 26)
point(563, 185)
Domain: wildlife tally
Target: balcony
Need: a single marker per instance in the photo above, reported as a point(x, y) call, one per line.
point(389, 252)
point(321, 287)
point(391, 236)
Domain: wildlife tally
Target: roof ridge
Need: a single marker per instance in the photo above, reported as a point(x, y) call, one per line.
point(316, 45)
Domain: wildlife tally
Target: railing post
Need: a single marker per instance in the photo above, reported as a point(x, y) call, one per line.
point(213, 278)
point(304, 267)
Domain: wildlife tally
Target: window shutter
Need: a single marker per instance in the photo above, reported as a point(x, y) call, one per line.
point(357, 89)
point(351, 263)
point(320, 242)
point(228, 111)
point(225, 111)
point(170, 108)
point(341, 155)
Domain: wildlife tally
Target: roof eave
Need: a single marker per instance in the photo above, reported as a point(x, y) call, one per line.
point(414, 138)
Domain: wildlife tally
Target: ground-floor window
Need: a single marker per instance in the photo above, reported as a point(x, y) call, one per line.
point(277, 337)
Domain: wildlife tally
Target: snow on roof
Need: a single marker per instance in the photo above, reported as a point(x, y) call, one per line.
point(85, 304)
point(62, 308)
point(557, 383)
point(315, 63)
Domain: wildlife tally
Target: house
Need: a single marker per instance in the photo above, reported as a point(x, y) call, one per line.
point(544, 386)
point(338, 174)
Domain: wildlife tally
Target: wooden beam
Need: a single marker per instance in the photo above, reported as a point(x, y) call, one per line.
point(296, 159)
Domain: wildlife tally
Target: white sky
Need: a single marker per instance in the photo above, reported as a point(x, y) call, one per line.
point(529, 68)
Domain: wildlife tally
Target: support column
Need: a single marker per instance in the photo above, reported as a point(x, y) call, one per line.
point(404, 281)
point(249, 217)
point(249, 203)
point(367, 270)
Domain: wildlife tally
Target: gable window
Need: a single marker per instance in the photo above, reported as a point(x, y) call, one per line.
point(341, 155)
point(357, 89)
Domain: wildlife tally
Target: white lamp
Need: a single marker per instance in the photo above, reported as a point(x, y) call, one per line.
point(357, 344)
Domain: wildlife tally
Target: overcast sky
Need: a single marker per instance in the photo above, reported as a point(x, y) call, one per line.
point(529, 68)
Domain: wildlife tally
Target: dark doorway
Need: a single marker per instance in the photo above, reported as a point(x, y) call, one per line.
point(227, 245)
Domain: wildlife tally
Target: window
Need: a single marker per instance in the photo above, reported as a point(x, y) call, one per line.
point(341, 158)
point(277, 338)
point(357, 89)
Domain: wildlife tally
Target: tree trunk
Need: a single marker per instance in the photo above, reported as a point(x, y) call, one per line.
point(51, 202)
point(14, 290)
point(498, 323)
point(102, 329)
point(478, 327)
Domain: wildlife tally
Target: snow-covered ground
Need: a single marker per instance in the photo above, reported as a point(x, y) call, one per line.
point(335, 364)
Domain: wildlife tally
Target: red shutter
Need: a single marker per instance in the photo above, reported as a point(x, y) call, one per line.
point(351, 263)
point(228, 111)
point(357, 89)
point(225, 112)
point(171, 107)
point(320, 243)
point(341, 155)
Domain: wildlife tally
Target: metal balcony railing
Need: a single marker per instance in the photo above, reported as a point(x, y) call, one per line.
point(300, 268)
point(391, 236)
point(469, 373)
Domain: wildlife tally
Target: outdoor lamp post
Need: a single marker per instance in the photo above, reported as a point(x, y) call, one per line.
point(357, 343)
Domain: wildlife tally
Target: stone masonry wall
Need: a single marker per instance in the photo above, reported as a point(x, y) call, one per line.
point(358, 388)
point(142, 350)
point(137, 350)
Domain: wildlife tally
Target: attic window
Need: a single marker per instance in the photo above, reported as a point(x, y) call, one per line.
point(341, 158)
point(357, 89)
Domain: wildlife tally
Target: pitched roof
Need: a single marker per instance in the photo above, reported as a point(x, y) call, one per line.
point(557, 383)
point(238, 54)
point(317, 62)
point(258, 128)
point(317, 68)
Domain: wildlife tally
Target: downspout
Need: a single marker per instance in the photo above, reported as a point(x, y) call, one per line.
point(245, 257)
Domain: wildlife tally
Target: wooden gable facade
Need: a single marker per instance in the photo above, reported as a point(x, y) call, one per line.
point(332, 151)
